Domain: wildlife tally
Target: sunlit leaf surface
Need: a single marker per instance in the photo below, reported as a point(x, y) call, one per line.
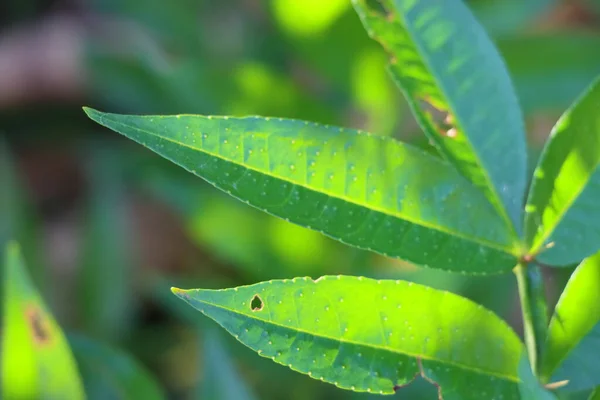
point(459, 90)
point(562, 208)
point(36, 360)
point(573, 346)
point(371, 336)
point(368, 191)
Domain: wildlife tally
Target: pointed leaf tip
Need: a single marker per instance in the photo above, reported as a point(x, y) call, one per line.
point(177, 292)
point(91, 113)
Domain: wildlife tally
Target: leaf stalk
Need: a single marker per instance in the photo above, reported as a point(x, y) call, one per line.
point(534, 309)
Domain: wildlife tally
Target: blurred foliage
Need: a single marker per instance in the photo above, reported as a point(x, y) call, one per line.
point(107, 227)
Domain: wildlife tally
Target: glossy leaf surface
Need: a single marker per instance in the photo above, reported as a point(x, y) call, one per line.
point(368, 191)
point(109, 373)
point(36, 359)
point(445, 63)
point(573, 341)
point(563, 203)
point(367, 335)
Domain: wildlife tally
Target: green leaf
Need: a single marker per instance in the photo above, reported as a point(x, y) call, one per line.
point(595, 394)
point(504, 17)
point(18, 218)
point(220, 372)
point(109, 373)
point(36, 360)
point(552, 86)
point(530, 387)
point(368, 191)
point(106, 298)
point(574, 333)
point(370, 336)
point(580, 368)
point(443, 61)
point(563, 202)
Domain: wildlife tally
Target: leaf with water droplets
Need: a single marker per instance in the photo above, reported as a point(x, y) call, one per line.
point(36, 359)
point(459, 90)
point(368, 191)
point(562, 210)
point(371, 336)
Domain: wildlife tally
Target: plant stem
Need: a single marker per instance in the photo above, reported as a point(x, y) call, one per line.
point(534, 309)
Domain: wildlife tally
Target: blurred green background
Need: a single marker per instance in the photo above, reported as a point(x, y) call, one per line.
point(107, 227)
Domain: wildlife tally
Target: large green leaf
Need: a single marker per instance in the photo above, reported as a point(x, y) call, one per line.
point(573, 342)
point(371, 335)
point(109, 373)
point(368, 191)
point(443, 60)
point(562, 207)
point(36, 360)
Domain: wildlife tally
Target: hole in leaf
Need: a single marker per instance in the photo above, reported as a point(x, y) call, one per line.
point(377, 7)
point(256, 304)
point(37, 324)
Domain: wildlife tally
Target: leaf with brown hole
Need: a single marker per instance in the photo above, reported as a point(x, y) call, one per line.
point(371, 336)
point(36, 360)
point(459, 90)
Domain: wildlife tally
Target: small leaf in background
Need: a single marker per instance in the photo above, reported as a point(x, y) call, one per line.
point(36, 360)
point(106, 299)
point(367, 191)
point(370, 336)
point(530, 387)
point(562, 208)
point(109, 373)
point(308, 17)
point(459, 90)
point(551, 86)
point(220, 380)
point(374, 92)
point(506, 17)
point(18, 219)
point(573, 346)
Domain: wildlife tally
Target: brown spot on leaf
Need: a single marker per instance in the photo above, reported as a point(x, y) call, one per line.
point(38, 324)
point(443, 121)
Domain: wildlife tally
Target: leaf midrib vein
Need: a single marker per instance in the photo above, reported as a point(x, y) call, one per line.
point(373, 346)
point(498, 204)
point(459, 235)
